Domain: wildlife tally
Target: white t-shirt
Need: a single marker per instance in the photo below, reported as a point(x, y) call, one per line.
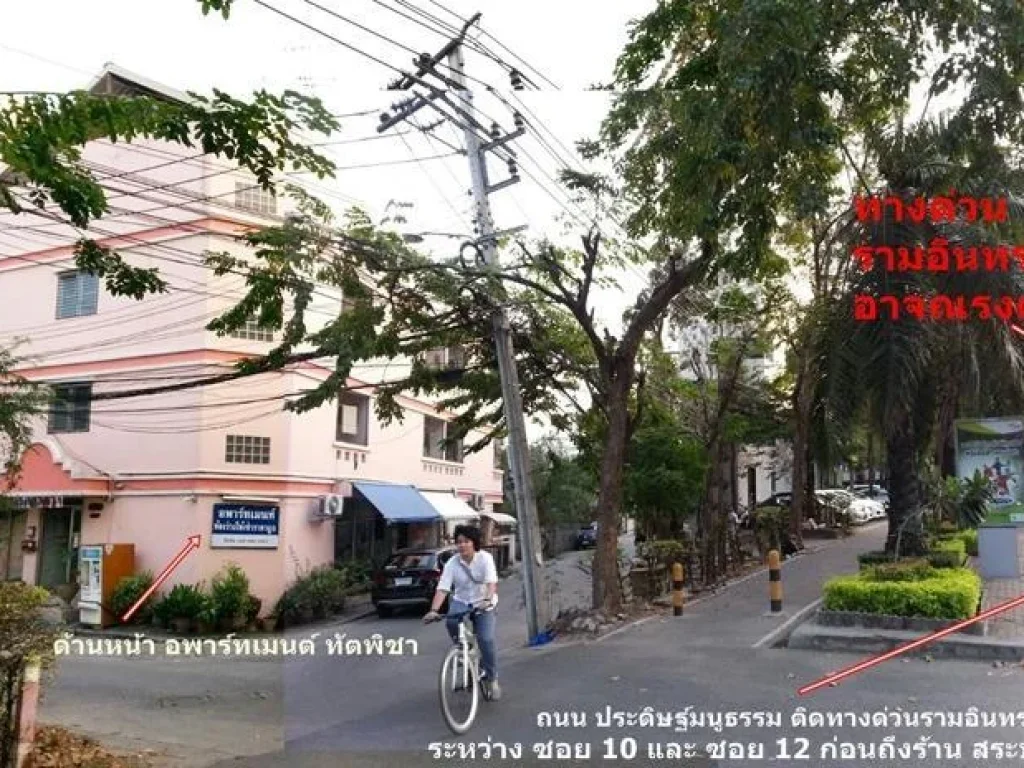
point(468, 582)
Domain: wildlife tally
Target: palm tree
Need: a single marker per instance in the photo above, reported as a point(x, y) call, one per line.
point(911, 373)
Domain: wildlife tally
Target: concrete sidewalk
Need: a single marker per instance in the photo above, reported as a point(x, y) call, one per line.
point(738, 615)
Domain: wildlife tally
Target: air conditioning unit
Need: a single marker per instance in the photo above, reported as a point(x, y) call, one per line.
point(330, 506)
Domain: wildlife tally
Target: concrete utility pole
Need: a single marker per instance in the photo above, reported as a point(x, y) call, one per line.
point(537, 598)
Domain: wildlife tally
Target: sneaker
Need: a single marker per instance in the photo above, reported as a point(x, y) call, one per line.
point(495, 690)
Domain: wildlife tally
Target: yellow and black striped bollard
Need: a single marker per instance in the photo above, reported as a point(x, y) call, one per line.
point(677, 589)
point(775, 580)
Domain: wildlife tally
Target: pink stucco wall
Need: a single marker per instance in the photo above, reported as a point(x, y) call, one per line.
point(164, 455)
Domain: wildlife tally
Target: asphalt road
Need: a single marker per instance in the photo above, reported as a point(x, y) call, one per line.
point(383, 711)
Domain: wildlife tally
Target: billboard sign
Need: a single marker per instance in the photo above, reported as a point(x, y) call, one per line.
point(995, 448)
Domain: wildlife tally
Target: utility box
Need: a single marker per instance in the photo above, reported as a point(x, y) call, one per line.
point(101, 568)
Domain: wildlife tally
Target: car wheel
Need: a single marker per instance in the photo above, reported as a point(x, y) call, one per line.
point(384, 611)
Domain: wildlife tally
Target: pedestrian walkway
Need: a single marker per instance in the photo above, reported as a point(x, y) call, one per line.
point(1008, 625)
point(739, 616)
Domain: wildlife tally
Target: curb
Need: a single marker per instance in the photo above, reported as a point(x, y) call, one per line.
point(783, 632)
point(849, 640)
point(119, 634)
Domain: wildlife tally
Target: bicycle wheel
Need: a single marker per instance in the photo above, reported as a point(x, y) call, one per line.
point(459, 687)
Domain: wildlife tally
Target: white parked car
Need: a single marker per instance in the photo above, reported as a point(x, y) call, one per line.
point(861, 510)
point(873, 493)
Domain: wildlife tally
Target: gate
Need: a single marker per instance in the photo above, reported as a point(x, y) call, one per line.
point(12, 673)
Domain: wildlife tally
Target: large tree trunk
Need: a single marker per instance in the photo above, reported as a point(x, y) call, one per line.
point(904, 494)
point(606, 586)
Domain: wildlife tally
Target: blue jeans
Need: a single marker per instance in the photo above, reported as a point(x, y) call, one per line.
point(483, 628)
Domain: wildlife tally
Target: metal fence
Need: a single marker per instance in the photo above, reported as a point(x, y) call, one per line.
point(12, 674)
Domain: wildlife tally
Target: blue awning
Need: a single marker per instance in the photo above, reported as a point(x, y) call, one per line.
point(397, 503)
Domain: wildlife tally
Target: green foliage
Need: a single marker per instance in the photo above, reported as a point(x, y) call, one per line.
point(41, 137)
point(956, 546)
point(184, 601)
point(666, 552)
point(978, 493)
point(665, 470)
point(970, 539)
point(770, 527)
point(229, 595)
point(936, 559)
point(356, 573)
point(315, 595)
point(23, 633)
point(904, 570)
point(126, 594)
point(565, 488)
point(943, 594)
point(22, 401)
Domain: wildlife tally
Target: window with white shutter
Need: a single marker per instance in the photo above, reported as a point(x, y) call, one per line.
point(353, 418)
point(70, 409)
point(77, 294)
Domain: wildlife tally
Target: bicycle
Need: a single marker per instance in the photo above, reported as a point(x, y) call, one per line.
point(460, 674)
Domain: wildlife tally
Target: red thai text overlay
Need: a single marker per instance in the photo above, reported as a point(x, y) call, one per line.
point(939, 308)
point(939, 257)
point(936, 209)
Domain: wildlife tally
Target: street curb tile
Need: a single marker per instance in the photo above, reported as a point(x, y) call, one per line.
point(782, 633)
point(303, 632)
point(815, 637)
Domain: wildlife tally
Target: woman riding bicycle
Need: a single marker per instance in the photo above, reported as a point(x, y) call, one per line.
point(472, 579)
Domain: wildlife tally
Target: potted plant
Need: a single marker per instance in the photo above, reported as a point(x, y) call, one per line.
point(252, 612)
point(230, 597)
point(182, 607)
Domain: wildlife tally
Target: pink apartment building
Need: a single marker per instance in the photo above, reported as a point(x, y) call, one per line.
point(225, 461)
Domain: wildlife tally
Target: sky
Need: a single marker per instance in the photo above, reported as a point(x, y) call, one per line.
point(172, 43)
point(58, 45)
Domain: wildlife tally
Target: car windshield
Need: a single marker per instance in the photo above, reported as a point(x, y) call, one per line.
point(412, 560)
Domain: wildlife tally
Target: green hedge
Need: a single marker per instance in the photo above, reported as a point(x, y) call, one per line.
point(935, 559)
point(968, 538)
point(951, 544)
point(911, 589)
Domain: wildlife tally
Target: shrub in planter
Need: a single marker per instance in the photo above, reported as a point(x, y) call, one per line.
point(23, 629)
point(970, 540)
point(182, 606)
point(252, 609)
point(869, 559)
point(293, 607)
point(229, 595)
point(948, 594)
point(905, 570)
point(326, 587)
point(951, 544)
point(126, 594)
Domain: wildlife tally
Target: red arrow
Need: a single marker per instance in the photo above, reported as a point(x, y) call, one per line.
point(192, 543)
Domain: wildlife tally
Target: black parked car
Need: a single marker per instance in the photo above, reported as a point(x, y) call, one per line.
point(409, 578)
point(587, 537)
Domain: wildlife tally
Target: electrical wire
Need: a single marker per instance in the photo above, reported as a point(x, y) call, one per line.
point(500, 44)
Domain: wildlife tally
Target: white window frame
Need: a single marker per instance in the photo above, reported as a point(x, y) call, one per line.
point(253, 331)
point(246, 449)
point(78, 294)
point(452, 453)
point(251, 197)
